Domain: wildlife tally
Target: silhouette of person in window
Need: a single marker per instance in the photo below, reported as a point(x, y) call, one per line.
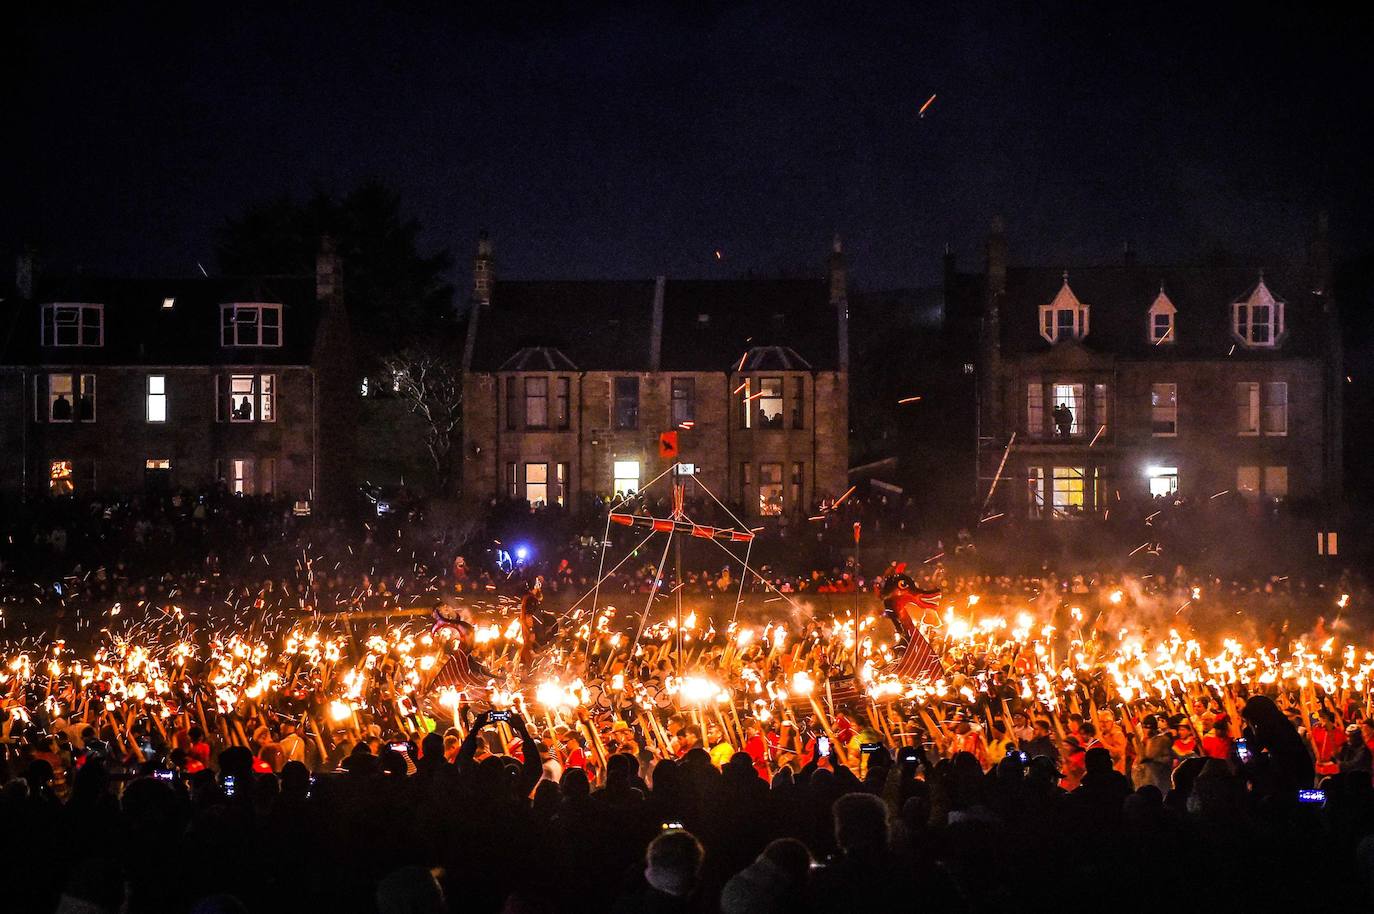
point(1063, 420)
point(244, 410)
point(62, 409)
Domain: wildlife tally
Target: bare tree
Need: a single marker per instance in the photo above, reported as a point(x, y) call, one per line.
point(430, 380)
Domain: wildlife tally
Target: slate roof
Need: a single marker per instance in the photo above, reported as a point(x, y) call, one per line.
point(139, 331)
point(608, 325)
point(1119, 298)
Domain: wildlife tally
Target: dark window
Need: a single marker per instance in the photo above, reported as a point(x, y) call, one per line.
point(562, 415)
point(684, 400)
point(536, 403)
point(799, 404)
point(512, 407)
point(626, 403)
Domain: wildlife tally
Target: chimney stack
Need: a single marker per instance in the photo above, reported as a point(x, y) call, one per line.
point(997, 258)
point(23, 272)
point(839, 297)
point(1319, 257)
point(483, 271)
point(328, 272)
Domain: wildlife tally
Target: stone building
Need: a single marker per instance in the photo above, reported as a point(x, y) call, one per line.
point(1134, 382)
point(127, 385)
point(568, 386)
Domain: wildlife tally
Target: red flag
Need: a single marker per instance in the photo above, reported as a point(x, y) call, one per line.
point(667, 445)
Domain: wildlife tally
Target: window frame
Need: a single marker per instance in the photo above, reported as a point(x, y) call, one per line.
point(1155, 409)
point(766, 396)
point(770, 488)
point(1078, 399)
point(1243, 322)
point(543, 484)
point(1254, 409)
point(1268, 408)
point(682, 397)
point(562, 409)
point(1066, 474)
point(48, 324)
point(621, 419)
point(617, 476)
point(230, 325)
point(799, 403)
point(1035, 408)
point(150, 397)
point(528, 389)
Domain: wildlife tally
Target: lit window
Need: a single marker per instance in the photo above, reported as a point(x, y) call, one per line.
point(536, 402)
point(168, 303)
point(770, 489)
point(1248, 480)
point(157, 463)
point(1067, 491)
point(1163, 481)
point(512, 470)
point(746, 413)
point(626, 478)
point(60, 478)
point(537, 484)
point(1258, 320)
point(252, 398)
point(798, 480)
point(626, 403)
point(256, 324)
point(1276, 482)
point(1065, 317)
point(1276, 408)
point(770, 403)
point(684, 396)
point(1068, 410)
point(61, 405)
point(157, 398)
point(1162, 314)
point(1163, 410)
point(73, 325)
point(1247, 408)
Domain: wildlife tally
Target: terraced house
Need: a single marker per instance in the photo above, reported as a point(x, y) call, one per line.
point(123, 385)
point(569, 385)
point(1130, 381)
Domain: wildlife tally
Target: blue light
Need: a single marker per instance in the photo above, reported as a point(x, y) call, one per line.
point(522, 553)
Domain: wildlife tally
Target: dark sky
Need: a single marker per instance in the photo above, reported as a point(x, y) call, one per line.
point(638, 139)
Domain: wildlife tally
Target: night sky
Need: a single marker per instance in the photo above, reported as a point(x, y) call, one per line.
point(639, 139)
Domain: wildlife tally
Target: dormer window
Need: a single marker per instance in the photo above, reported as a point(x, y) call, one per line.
point(1064, 318)
point(1162, 314)
point(77, 324)
point(255, 324)
point(1258, 320)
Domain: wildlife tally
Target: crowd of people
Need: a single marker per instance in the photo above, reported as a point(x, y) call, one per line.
point(216, 704)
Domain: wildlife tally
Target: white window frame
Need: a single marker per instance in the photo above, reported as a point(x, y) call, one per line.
point(261, 394)
point(82, 313)
point(1076, 401)
point(1064, 302)
point(1172, 389)
point(1035, 408)
point(231, 327)
point(1163, 307)
point(1169, 473)
point(1243, 321)
point(151, 396)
